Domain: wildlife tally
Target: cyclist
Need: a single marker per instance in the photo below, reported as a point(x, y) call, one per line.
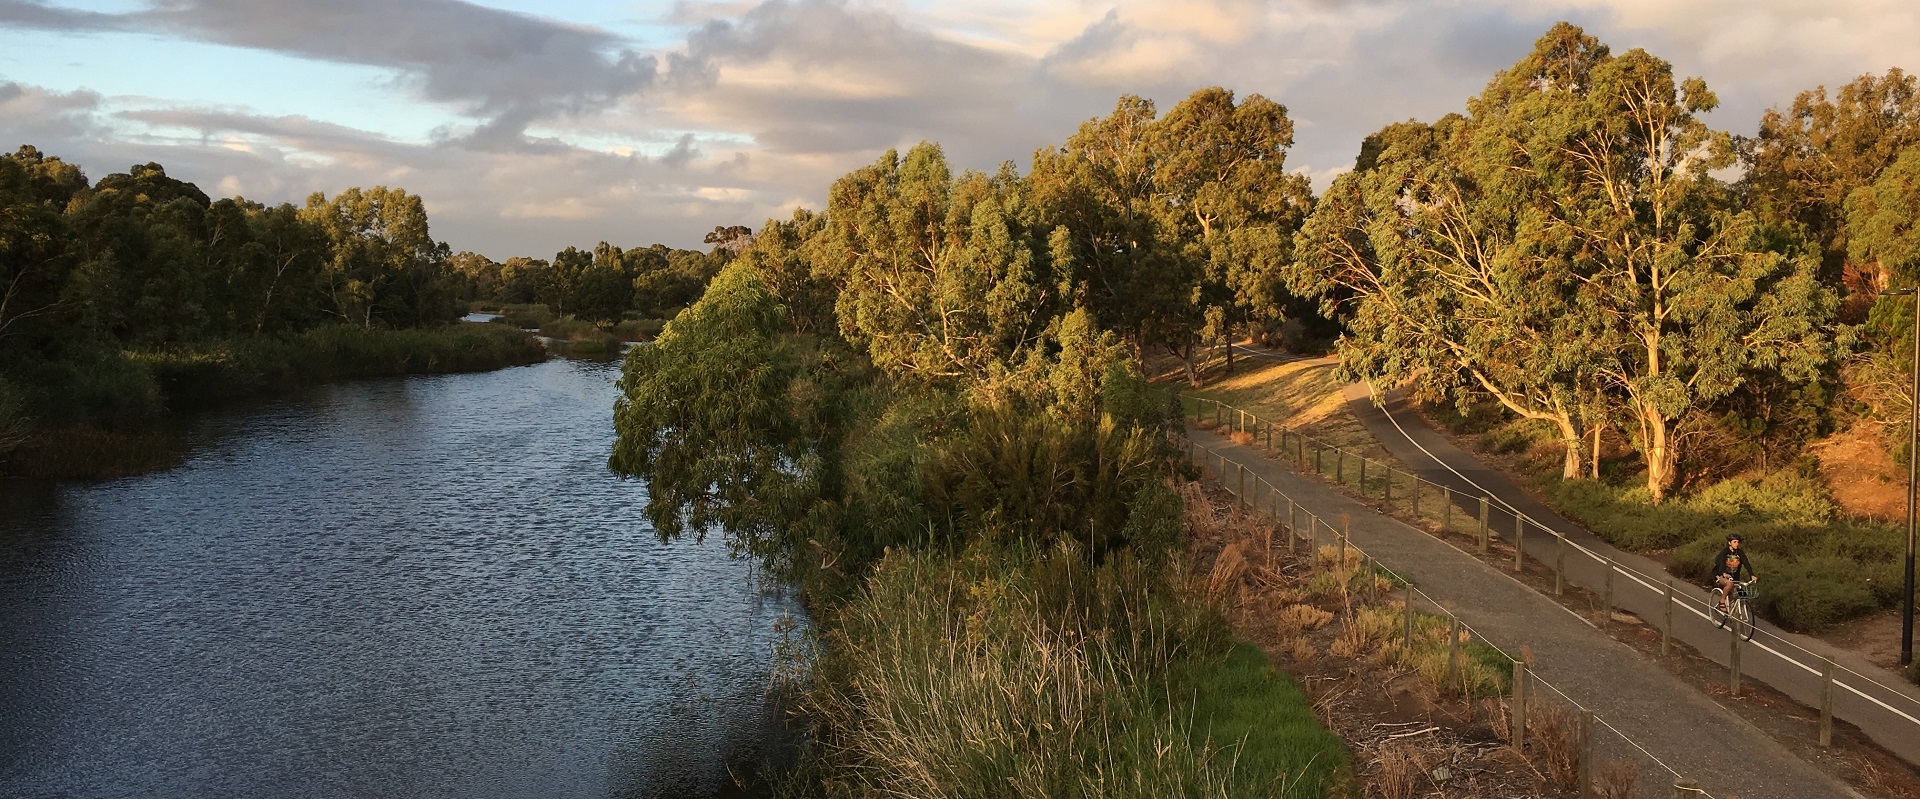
point(1727, 567)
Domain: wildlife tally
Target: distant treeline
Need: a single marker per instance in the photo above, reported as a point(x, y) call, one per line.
point(137, 294)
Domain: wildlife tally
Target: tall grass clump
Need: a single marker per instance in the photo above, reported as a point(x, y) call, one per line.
point(1052, 676)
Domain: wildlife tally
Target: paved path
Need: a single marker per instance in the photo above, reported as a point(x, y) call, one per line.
point(1788, 662)
point(1671, 720)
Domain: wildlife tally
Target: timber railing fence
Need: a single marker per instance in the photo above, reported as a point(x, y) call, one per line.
point(1484, 520)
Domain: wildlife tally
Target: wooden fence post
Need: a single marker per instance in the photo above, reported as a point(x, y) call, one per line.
point(1293, 531)
point(1243, 483)
point(1686, 789)
point(1407, 640)
point(1363, 477)
point(1666, 630)
point(1586, 755)
point(1453, 649)
point(1386, 491)
point(1733, 629)
point(1519, 549)
point(1446, 509)
point(1608, 602)
point(1346, 536)
point(1340, 466)
point(1416, 498)
point(1483, 518)
point(1559, 564)
point(1826, 706)
point(1520, 705)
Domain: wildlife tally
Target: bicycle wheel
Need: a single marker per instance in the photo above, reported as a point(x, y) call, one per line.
point(1713, 608)
point(1742, 618)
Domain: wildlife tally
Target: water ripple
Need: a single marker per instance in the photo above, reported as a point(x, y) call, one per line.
point(428, 587)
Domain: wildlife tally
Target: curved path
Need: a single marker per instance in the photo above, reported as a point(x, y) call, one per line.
point(1881, 703)
point(1671, 725)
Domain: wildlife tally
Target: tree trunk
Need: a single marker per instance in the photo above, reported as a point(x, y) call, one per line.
point(1596, 449)
point(1570, 438)
point(1660, 453)
point(1186, 362)
point(1227, 340)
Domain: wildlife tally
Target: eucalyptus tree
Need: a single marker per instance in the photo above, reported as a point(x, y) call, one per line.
point(709, 417)
point(34, 260)
point(383, 265)
point(1227, 198)
point(784, 252)
point(1448, 280)
point(1809, 157)
point(1564, 247)
point(940, 279)
point(1112, 255)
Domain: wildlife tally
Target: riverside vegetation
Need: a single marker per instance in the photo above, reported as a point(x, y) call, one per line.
point(924, 403)
point(126, 299)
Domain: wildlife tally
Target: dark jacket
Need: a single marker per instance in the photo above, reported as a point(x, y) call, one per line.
point(1720, 563)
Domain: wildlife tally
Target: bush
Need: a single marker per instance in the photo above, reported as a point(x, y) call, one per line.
point(1014, 475)
point(1814, 593)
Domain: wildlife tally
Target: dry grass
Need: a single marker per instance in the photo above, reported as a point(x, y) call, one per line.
point(1302, 395)
point(1615, 779)
point(1553, 734)
point(1399, 771)
point(1296, 618)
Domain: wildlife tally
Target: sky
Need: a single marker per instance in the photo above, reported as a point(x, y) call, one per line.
point(531, 126)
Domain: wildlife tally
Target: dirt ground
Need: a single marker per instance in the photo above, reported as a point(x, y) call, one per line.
point(1408, 737)
point(1861, 476)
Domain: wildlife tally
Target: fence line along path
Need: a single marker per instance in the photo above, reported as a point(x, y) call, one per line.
point(1882, 704)
point(1645, 714)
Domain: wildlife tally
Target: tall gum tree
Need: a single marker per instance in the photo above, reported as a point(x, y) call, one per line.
point(1226, 195)
point(1449, 277)
point(940, 279)
point(1808, 158)
point(1565, 247)
point(1692, 295)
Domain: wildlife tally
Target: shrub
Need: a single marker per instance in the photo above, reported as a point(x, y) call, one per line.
point(1814, 593)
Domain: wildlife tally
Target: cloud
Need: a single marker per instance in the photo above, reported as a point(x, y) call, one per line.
point(34, 114)
point(563, 133)
point(504, 69)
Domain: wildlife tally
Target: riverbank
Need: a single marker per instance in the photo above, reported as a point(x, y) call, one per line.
point(109, 415)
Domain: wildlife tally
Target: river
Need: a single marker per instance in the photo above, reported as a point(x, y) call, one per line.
point(427, 587)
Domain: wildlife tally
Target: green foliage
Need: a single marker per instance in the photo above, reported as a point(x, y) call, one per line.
point(941, 279)
point(1016, 476)
point(708, 416)
point(384, 264)
point(1564, 250)
point(1052, 677)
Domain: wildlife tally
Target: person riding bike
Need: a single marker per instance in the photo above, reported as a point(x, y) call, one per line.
point(1727, 567)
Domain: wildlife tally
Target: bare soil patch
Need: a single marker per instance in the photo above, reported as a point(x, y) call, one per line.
point(1861, 476)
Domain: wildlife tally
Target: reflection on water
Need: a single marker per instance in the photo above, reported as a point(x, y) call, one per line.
point(429, 587)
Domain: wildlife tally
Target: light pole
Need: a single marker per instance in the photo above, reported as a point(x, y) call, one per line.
point(1913, 478)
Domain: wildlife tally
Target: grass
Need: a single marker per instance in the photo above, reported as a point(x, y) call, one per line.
point(1050, 676)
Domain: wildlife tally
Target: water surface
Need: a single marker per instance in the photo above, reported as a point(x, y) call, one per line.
point(427, 587)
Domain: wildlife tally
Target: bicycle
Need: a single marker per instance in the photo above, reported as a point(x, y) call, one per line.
point(1739, 610)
